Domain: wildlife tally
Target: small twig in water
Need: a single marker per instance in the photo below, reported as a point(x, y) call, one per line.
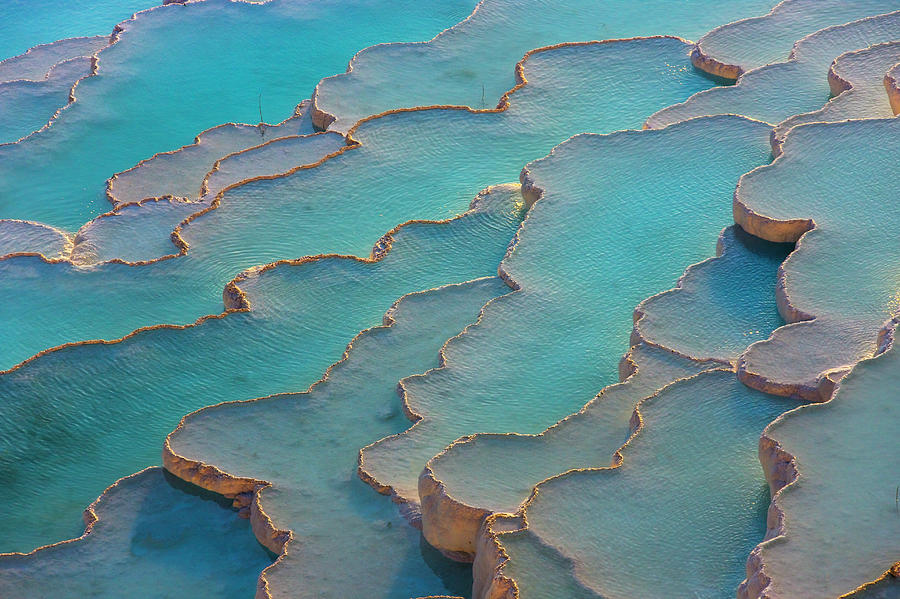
point(261, 126)
point(482, 96)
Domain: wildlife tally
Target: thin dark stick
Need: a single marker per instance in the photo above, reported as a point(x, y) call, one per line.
point(261, 126)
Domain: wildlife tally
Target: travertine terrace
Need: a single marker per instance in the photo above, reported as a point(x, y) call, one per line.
point(433, 299)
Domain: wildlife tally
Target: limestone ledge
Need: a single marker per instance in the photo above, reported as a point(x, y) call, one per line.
point(11, 71)
point(637, 333)
point(64, 240)
point(76, 258)
point(764, 227)
point(322, 119)
point(245, 491)
point(892, 86)
point(780, 469)
point(112, 196)
point(786, 230)
point(779, 231)
point(414, 510)
point(89, 516)
point(451, 525)
point(838, 85)
point(704, 61)
point(180, 244)
point(61, 72)
point(92, 70)
point(114, 38)
point(454, 527)
point(410, 505)
point(490, 580)
point(711, 66)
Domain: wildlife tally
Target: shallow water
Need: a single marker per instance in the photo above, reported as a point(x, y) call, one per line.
point(689, 487)
point(347, 203)
point(36, 63)
point(498, 472)
point(182, 172)
point(69, 304)
point(510, 373)
point(78, 418)
point(348, 540)
point(757, 41)
point(728, 298)
point(722, 305)
point(26, 105)
point(155, 533)
point(49, 178)
point(148, 163)
point(775, 92)
point(846, 204)
point(27, 23)
point(24, 236)
point(845, 453)
point(472, 64)
point(863, 71)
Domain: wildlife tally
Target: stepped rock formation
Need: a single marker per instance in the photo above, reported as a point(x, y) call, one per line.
point(149, 531)
point(301, 313)
point(509, 374)
point(831, 327)
point(776, 92)
point(235, 279)
point(833, 525)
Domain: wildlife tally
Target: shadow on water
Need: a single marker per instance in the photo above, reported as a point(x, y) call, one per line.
point(456, 576)
point(220, 500)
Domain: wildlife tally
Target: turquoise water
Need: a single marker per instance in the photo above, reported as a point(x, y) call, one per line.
point(346, 537)
point(498, 472)
point(847, 204)
point(689, 488)
point(864, 72)
point(157, 194)
point(155, 533)
point(722, 305)
point(473, 64)
point(89, 414)
point(730, 297)
point(48, 179)
point(510, 373)
point(27, 106)
point(37, 62)
point(758, 41)
point(617, 255)
point(835, 504)
point(27, 23)
point(777, 91)
point(67, 303)
point(182, 172)
point(23, 236)
point(348, 202)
